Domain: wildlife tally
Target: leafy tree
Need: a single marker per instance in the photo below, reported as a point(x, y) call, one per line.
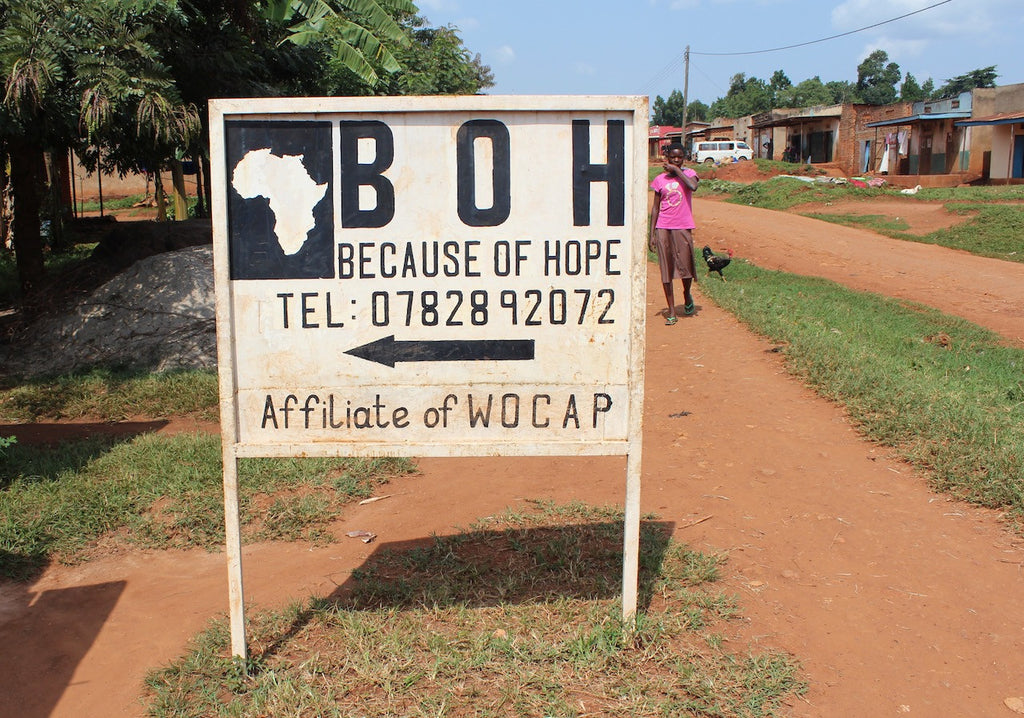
point(983, 77)
point(670, 111)
point(433, 61)
point(842, 91)
point(697, 111)
point(910, 91)
point(779, 81)
point(779, 84)
point(357, 31)
point(437, 63)
point(98, 76)
point(877, 78)
point(746, 96)
point(809, 93)
point(74, 76)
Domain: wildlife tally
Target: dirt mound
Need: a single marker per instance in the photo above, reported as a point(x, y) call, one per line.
point(156, 315)
point(746, 171)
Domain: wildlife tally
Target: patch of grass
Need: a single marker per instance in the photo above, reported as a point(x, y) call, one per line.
point(946, 394)
point(719, 186)
point(520, 618)
point(874, 222)
point(111, 203)
point(981, 193)
point(163, 492)
point(785, 192)
point(55, 264)
point(112, 395)
point(991, 232)
point(781, 193)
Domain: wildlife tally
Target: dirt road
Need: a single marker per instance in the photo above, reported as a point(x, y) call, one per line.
point(985, 291)
point(896, 600)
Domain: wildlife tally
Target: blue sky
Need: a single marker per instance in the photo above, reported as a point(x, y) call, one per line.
point(635, 47)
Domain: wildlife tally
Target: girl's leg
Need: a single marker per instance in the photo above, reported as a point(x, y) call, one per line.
point(670, 297)
point(687, 296)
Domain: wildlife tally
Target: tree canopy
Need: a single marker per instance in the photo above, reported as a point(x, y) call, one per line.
point(879, 82)
point(746, 96)
point(124, 83)
point(877, 78)
point(983, 77)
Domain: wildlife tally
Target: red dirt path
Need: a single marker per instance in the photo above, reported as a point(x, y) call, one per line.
point(896, 600)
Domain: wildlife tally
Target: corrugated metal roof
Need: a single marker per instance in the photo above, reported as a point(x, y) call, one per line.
point(913, 119)
point(797, 120)
point(1003, 118)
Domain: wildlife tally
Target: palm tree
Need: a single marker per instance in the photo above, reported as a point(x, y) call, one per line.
point(74, 74)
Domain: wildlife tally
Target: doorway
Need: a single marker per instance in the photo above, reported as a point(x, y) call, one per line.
point(1018, 157)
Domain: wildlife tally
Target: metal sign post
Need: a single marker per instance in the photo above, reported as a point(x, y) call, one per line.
point(430, 276)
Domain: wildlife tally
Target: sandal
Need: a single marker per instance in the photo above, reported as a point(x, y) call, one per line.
point(671, 320)
point(689, 309)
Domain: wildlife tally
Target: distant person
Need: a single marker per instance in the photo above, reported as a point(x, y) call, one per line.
point(768, 150)
point(671, 222)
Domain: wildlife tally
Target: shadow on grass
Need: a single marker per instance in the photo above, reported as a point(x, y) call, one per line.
point(481, 569)
point(44, 452)
point(52, 434)
point(30, 475)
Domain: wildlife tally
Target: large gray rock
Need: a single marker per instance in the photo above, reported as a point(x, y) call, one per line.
point(157, 315)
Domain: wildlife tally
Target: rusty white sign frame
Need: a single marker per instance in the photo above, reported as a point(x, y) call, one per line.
point(429, 276)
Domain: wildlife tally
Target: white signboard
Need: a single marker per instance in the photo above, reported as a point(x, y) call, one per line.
point(430, 276)
point(450, 276)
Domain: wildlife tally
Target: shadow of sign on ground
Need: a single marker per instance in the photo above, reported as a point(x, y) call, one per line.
point(32, 681)
point(489, 568)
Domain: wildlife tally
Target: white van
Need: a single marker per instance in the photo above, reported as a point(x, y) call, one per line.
point(722, 151)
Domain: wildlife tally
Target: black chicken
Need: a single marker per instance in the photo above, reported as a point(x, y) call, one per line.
point(716, 263)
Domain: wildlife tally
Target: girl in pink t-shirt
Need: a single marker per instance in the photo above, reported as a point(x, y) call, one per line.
point(671, 222)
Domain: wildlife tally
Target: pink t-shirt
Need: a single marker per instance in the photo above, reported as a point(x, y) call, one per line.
point(676, 210)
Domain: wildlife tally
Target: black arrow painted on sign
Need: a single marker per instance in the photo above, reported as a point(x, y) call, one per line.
point(387, 351)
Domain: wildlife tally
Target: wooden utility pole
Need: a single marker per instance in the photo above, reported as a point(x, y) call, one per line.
point(686, 92)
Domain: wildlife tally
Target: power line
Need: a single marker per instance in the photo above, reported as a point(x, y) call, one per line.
point(663, 73)
point(824, 39)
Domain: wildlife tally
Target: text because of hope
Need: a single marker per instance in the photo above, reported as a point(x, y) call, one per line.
point(408, 260)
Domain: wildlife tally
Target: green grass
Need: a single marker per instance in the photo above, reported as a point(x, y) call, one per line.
point(782, 193)
point(163, 492)
point(10, 286)
point(874, 222)
point(948, 395)
point(992, 231)
point(111, 395)
point(518, 616)
point(110, 204)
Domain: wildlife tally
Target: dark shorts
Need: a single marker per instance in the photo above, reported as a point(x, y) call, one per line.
point(675, 254)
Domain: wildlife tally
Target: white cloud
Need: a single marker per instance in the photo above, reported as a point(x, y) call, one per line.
point(583, 68)
point(505, 55)
point(900, 50)
point(936, 22)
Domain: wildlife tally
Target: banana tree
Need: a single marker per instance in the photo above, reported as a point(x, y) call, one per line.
point(357, 31)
